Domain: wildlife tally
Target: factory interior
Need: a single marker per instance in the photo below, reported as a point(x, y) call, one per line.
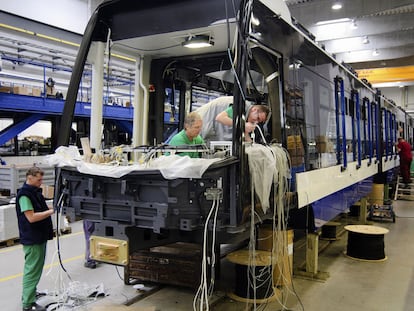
point(303, 202)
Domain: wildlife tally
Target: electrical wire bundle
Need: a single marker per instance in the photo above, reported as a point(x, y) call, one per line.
point(205, 290)
point(75, 294)
point(269, 168)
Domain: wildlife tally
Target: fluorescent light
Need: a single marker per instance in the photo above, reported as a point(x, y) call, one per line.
point(336, 6)
point(334, 21)
point(198, 41)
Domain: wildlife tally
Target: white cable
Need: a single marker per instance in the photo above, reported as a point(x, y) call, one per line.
point(263, 159)
point(202, 292)
point(261, 133)
point(213, 250)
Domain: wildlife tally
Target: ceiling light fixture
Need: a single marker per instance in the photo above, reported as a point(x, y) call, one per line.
point(198, 41)
point(375, 52)
point(336, 6)
point(333, 21)
point(365, 40)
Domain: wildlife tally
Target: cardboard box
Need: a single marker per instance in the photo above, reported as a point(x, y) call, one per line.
point(294, 141)
point(50, 90)
point(297, 160)
point(324, 144)
point(5, 89)
point(36, 92)
point(48, 191)
point(322, 138)
point(323, 147)
point(298, 151)
point(21, 90)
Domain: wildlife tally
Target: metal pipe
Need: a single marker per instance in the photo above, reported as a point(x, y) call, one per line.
point(138, 109)
point(145, 103)
point(97, 96)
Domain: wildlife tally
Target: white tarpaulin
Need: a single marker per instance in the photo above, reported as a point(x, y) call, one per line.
point(171, 167)
point(268, 164)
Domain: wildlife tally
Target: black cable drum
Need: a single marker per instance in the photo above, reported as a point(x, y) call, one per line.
point(263, 283)
point(366, 242)
point(262, 262)
point(329, 230)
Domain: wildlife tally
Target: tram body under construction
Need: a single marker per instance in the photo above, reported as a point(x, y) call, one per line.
point(328, 137)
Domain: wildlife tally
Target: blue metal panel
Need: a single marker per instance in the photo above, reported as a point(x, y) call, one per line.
point(331, 206)
point(293, 171)
point(52, 106)
point(124, 125)
point(17, 128)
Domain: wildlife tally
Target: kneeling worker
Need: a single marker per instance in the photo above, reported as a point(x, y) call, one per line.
point(190, 135)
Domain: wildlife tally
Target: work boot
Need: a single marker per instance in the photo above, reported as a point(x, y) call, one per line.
point(90, 264)
point(34, 307)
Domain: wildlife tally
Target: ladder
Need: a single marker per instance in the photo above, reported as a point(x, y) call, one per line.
point(403, 193)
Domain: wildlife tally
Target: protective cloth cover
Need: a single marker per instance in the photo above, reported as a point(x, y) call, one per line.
point(268, 165)
point(171, 167)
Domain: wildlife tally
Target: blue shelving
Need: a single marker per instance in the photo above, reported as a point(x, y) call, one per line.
point(52, 106)
point(40, 107)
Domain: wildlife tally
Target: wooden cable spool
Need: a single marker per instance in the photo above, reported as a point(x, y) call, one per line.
point(262, 262)
point(366, 242)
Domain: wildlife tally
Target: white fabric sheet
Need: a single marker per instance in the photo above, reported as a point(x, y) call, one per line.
point(171, 167)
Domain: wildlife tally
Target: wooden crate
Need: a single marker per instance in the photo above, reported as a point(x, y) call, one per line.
point(174, 268)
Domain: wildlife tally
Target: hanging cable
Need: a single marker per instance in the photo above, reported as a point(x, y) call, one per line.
point(58, 213)
point(202, 294)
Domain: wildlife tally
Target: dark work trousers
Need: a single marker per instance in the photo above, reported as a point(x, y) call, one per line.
point(88, 228)
point(405, 166)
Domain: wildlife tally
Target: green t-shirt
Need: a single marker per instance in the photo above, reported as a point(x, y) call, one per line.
point(181, 139)
point(229, 112)
point(25, 204)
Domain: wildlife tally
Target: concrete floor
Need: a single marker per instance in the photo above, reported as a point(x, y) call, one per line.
point(351, 285)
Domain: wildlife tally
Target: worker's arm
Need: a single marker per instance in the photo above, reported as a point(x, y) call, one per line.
point(224, 118)
point(249, 127)
point(32, 216)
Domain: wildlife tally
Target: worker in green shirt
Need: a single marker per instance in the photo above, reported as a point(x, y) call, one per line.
point(190, 135)
point(255, 114)
point(35, 229)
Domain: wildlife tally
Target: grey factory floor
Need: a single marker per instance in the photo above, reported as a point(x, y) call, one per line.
point(351, 284)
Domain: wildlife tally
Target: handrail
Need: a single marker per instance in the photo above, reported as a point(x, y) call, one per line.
point(358, 121)
point(370, 136)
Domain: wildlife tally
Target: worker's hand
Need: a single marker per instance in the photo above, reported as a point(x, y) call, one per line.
point(249, 127)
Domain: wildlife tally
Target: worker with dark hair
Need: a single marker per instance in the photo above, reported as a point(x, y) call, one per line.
point(404, 150)
point(255, 114)
point(35, 229)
